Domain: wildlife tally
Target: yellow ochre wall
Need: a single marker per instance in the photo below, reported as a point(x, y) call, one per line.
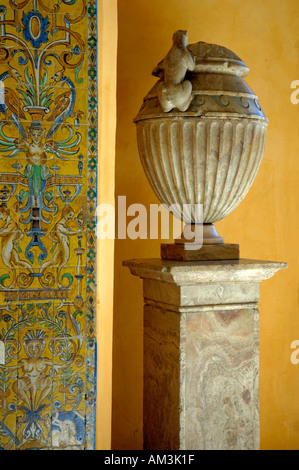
point(107, 54)
point(265, 35)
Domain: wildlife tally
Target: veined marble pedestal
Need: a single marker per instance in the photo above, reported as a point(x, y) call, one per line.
point(201, 352)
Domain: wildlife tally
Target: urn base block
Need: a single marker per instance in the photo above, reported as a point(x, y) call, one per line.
point(182, 252)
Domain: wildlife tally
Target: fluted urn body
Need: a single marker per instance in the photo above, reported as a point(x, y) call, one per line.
point(209, 153)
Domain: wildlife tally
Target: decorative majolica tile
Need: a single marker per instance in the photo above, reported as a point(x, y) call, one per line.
point(68, 430)
point(48, 163)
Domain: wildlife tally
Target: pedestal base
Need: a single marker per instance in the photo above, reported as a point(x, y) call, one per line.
point(201, 352)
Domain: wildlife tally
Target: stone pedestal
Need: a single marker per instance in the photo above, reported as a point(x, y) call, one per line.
point(201, 352)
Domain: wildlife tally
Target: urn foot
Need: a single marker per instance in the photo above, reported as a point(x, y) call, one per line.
point(206, 234)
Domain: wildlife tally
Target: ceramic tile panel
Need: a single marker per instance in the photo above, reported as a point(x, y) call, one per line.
point(48, 163)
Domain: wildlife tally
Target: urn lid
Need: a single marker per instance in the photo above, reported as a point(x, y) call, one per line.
point(211, 58)
point(200, 80)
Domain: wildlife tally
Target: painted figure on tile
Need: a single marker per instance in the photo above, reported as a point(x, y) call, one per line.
point(10, 235)
point(36, 372)
point(60, 236)
point(63, 103)
point(66, 432)
point(34, 367)
point(36, 154)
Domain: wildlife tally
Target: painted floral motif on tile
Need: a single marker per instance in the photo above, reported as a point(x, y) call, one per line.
point(48, 160)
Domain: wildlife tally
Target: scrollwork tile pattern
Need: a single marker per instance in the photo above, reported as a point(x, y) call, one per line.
point(48, 162)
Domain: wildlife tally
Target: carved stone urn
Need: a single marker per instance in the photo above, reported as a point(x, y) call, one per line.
point(201, 136)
